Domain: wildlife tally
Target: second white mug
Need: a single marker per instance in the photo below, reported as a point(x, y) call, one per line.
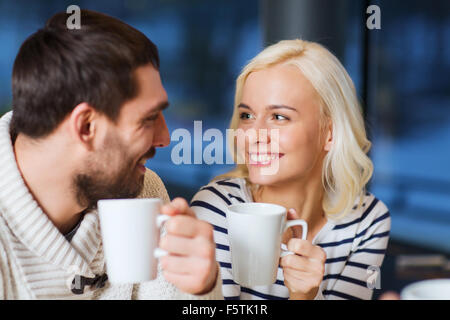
point(255, 231)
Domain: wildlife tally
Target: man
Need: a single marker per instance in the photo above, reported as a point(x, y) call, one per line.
point(87, 114)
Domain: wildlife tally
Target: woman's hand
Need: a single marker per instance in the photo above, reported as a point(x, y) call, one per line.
point(191, 265)
point(304, 270)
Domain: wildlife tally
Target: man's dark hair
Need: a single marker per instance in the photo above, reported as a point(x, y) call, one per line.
point(56, 69)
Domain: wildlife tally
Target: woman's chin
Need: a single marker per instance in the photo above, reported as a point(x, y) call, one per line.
point(263, 179)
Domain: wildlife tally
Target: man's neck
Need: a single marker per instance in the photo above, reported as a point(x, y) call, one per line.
point(46, 171)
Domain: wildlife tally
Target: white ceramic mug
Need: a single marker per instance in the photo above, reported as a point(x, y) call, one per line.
point(255, 231)
point(130, 231)
point(435, 289)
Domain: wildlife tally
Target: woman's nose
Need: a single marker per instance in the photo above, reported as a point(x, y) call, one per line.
point(261, 133)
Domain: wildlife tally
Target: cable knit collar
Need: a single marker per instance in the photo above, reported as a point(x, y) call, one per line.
point(32, 226)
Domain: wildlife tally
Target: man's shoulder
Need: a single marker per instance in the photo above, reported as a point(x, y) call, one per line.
point(151, 177)
point(6, 239)
point(153, 187)
point(5, 270)
point(2, 231)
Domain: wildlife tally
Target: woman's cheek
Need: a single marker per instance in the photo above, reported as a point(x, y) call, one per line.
point(241, 148)
point(288, 140)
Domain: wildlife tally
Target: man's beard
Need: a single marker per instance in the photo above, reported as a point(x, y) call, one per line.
point(95, 184)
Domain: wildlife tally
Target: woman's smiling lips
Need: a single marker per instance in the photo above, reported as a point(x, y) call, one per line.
point(263, 159)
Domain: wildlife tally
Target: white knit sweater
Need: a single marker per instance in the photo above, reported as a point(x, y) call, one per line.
point(36, 260)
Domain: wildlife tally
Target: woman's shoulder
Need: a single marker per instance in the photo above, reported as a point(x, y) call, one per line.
point(372, 211)
point(227, 183)
point(224, 192)
point(210, 203)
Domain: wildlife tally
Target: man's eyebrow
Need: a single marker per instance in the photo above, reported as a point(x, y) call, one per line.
point(160, 107)
point(271, 107)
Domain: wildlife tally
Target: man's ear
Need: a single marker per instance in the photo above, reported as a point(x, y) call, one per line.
point(329, 136)
point(83, 124)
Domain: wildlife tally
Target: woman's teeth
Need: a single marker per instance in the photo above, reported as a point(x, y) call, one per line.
point(262, 158)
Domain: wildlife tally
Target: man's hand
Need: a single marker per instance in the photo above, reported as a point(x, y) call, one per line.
point(191, 264)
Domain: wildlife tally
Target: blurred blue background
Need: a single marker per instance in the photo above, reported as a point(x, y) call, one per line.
point(401, 73)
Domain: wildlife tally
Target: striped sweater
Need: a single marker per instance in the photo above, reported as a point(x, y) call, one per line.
point(37, 261)
point(355, 245)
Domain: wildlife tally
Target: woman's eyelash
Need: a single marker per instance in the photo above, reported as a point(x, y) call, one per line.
point(280, 115)
point(244, 115)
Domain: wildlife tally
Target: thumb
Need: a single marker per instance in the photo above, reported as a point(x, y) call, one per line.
point(178, 206)
point(292, 214)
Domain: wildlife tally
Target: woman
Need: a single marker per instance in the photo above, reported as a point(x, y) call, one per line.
point(300, 93)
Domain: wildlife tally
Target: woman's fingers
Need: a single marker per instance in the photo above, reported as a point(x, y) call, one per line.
point(303, 285)
point(303, 271)
point(294, 261)
point(303, 264)
point(296, 230)
point(307, 249)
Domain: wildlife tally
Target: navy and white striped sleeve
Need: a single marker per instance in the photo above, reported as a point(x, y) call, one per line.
point(210, 204)
point(361, 273)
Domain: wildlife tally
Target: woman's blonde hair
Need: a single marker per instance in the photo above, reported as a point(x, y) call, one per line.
point(347, 168)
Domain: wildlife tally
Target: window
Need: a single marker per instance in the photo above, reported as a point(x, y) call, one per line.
point(409, 119)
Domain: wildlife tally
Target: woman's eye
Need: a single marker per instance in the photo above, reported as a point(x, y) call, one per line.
point(245, 116)
point(280, 117)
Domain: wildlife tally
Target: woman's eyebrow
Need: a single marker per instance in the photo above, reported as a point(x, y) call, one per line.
point(280, 106)
point(271, 107)
point(242, 105)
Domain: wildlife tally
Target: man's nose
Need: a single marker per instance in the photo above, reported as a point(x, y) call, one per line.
point(161, 136)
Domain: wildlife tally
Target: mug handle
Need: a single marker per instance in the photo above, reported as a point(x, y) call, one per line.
point(291, 223)
point(160, 220)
